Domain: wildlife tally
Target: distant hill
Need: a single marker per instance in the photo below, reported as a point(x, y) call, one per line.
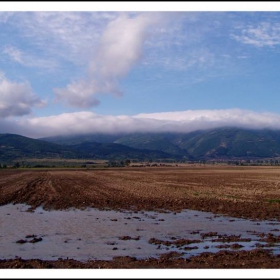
point(79, 139)
point(158, 142)
point(17, 147)
point(231, 143)
point(14, 146)
point(221, 143)
point(142, 141)
point(115, 151)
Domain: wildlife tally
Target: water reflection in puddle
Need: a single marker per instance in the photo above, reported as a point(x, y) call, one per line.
point(95, 234)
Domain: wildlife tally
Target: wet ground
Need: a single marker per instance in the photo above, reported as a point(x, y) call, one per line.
point(121, 222)
point(103, 235)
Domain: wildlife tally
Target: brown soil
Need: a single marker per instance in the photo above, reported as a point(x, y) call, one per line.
point(249, 192)
point(177, 243)
point(224, 259)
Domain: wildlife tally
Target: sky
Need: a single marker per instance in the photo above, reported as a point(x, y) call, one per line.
point(87, 70)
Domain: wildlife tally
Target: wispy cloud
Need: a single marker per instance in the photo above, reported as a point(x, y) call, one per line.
point(14, 54)
point(29, 60)
point(263, 35)
point(16, 99)
point(67, 35)
point(193, 59)
point(4, 16)
point(179, 43)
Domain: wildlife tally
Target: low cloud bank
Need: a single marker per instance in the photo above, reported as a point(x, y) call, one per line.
point(181, 121)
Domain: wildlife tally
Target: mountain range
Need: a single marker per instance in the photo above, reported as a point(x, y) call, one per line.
point(222, 144)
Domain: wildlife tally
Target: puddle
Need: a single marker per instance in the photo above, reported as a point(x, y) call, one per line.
point(94, 234)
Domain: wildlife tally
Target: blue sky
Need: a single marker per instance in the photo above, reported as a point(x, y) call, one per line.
point(68, 72)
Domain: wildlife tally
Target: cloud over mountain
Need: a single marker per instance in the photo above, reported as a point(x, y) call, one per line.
point(183, 121)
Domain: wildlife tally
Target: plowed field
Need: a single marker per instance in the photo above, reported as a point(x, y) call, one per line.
point(250, 192)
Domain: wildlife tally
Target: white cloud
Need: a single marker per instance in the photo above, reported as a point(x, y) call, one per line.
point(265, 34)
point(78, 94)
point(183, 121)
point(119, 49)
point(202, 119)
point(121, 45)
point(16, 99)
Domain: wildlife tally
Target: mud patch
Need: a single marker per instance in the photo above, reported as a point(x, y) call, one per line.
point(93, 234)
